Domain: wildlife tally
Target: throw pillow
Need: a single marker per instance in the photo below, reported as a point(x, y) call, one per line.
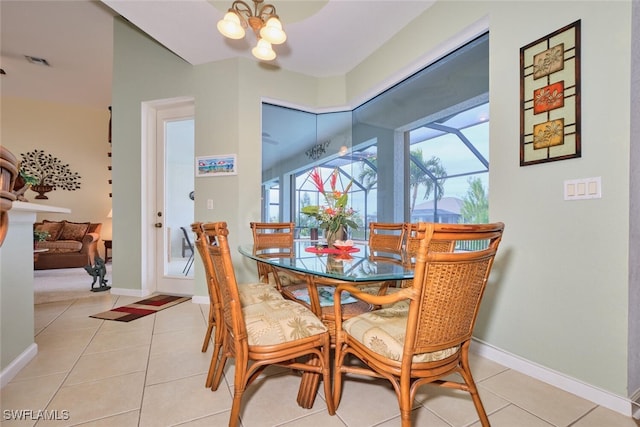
point(52, 227)
point(74, 230)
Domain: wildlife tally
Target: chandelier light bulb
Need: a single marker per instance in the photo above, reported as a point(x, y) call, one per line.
point(263, 21)
point(272, 31)
point(263, 51)
point(230, 26)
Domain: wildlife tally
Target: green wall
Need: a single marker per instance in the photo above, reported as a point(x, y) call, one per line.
point(558, 295)
point(164, 76)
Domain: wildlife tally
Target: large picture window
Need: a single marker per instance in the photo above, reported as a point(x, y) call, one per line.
point(417, 152)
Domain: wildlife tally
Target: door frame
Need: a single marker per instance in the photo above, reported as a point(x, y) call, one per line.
point(149, 151)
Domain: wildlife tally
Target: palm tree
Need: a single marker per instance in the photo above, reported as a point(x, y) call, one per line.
point(433, 179)
point(368, 176)
point(475, 205)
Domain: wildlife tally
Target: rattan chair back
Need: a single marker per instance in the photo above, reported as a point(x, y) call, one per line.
point(215, 306)
point(386, 238)
point(451, 284)
point(271, 239)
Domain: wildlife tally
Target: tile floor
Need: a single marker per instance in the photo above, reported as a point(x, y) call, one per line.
point(150, 372)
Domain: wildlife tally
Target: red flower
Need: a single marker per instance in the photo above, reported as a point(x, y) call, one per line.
point(334, 179)
point(316, 177)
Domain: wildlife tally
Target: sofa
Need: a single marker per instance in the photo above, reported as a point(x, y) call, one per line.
point(68, 245)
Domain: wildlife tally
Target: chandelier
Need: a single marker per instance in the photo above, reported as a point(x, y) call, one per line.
point(263, 21)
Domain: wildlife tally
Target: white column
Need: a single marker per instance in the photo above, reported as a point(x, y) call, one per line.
point(17, 344)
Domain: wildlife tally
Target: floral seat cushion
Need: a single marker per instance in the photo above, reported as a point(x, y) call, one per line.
point(383, 331)
point(279, 321)
point(285, 280)
point(252, 293)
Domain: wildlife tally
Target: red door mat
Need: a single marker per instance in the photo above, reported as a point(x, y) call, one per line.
point(142, 308)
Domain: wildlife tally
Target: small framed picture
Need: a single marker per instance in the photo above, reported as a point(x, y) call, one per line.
point(218, 165)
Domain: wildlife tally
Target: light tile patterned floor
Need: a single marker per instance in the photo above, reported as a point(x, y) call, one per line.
point(150, 372)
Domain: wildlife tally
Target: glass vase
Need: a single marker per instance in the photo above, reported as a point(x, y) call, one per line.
point(332, 236)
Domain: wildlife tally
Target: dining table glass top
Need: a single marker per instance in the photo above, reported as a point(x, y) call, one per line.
point(356, 265)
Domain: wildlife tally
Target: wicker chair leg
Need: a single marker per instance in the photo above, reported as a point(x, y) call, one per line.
point(212, 369)
point(309, 384)
point(207, 336)
point(326, 378)
point(405, 418)
point(406, 403)
point(471, 384)
point(337, 377)
point(219, 370)
point(234, 418)
point(484, 420)
point(218, 339)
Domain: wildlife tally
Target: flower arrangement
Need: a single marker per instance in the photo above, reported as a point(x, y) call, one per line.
point(334, 216)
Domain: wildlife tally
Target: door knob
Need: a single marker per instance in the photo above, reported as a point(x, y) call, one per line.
point(158, 225)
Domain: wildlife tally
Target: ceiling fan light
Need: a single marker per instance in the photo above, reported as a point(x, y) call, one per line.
point(230, 26)
point(272, 31)
point(263, 51)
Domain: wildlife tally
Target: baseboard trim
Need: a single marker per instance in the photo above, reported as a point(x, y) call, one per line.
point(196, 299)
point(635, 398)
point(17, 364)
point(130, 292)
point(571, 385)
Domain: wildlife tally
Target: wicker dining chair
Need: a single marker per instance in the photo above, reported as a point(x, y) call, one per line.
point(250, 293)
point(263, 334)
point(411, 245)
point(275, 240)
point(386, 242)
point(189, 263)
point(428, 340)
point(386, 238)
point(412, 241)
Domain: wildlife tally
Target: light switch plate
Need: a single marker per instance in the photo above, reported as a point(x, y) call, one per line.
point(584, 188)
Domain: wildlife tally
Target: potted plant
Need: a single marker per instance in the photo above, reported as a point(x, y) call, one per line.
point(39, 236)
point(23, 182)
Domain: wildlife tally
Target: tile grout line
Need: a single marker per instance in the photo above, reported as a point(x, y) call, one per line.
point(76, 361)
point(146, 371)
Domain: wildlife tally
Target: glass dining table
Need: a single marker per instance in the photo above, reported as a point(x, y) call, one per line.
point(356, 265)
point(321, 268)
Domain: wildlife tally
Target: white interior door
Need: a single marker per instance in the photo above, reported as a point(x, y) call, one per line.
point(174, 199)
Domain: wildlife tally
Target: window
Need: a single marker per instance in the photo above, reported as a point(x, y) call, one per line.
point(417, 152)
point(272, 201)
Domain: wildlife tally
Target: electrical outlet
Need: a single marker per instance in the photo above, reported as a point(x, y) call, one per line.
point(210, 204)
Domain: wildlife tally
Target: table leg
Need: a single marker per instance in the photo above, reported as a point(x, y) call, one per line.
point(309, 386)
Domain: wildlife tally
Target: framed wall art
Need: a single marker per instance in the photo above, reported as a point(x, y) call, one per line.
point(550, 97)
point(219, 165)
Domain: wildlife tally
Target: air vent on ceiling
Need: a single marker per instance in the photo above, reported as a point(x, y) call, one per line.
point(37, 61)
